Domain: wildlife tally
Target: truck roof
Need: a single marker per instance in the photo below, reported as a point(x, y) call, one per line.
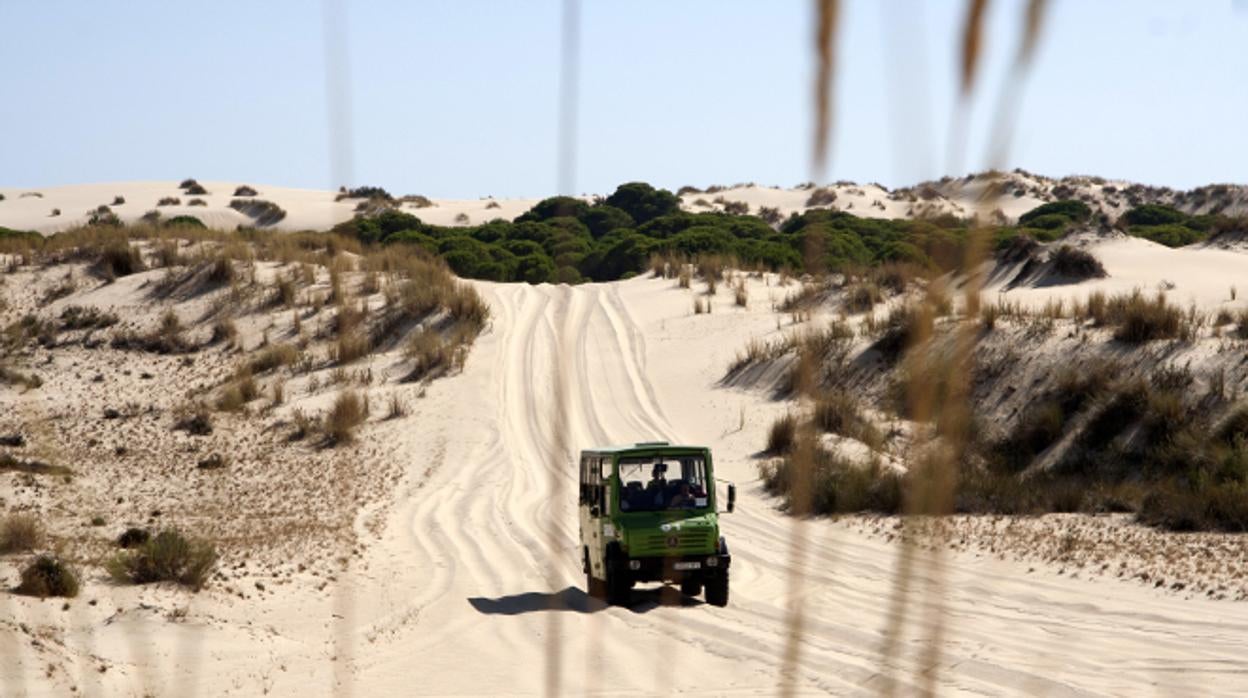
point(643, 446)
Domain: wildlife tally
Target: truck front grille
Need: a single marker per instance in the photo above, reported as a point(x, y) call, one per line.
point(676, 543)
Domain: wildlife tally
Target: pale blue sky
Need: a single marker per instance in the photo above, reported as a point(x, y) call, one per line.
point(459, 99)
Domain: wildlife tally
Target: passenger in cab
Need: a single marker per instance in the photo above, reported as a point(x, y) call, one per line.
point(657, 487)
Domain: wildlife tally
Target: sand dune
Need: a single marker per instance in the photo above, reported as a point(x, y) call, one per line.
point(452, 592)
point(306, 209)
point(990, 196)
point(452, 571)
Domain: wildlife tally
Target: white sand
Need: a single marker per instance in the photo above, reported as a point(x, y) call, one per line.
point(449, 597)
point(1199, 275)
point(458, 564)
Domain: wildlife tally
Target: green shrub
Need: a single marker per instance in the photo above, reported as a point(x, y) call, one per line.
point(643, 202)
point(184, 222)
point(103, 216)
point(555, 207)
point(47, 575)
point(365, 193)
point(1168, 235)
point(1070, 209)
point(1155, 214)
point(169, 556)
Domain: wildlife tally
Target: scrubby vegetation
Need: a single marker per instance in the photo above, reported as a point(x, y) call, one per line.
point(48, 575)
point(1173, 228)
point(1074, 263)
point(260, 211)
point(169, 556)
point(1093, 437)
point(20, 533)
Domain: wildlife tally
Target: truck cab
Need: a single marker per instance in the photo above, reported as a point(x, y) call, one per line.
point(648, 513)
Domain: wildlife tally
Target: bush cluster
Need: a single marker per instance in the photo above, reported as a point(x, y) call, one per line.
point(1169, 226)
point(564, 239)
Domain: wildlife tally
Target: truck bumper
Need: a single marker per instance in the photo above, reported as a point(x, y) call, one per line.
point(672, 569)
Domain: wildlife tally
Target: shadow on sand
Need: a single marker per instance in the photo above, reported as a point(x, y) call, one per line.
point(577, 601)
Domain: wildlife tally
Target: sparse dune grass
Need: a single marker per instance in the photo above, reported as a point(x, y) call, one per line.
point(20, 533)
point(1140, 319)
point(862, 297)
point(274, 356)
point(119, 259)
point(349, 411)
point(837, 412)
point(782, 435)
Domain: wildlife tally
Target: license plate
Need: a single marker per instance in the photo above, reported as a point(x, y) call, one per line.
point(687, 565)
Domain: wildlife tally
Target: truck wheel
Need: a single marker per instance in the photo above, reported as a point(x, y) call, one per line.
point(596, 588)
point(717, 590)
point(619, 587)
point(691, 587)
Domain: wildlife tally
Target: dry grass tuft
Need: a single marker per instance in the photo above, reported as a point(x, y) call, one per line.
point(740, 295)
point(20, 533)
point(275, 356)
point(118, 259)
point(1142, 320)
point(782, 436)
point(348, 413)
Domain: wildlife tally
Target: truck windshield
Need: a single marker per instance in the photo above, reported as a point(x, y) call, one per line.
point(657, 483)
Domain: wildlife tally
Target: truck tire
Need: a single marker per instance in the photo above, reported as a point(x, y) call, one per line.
point(691, 587)
point(717, 589)
point(619, 586)
point(596, 588)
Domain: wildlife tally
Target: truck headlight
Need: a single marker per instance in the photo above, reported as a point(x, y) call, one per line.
point(634, 564)
point(712, 562)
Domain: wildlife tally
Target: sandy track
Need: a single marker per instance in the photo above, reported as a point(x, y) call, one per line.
point(457, 598)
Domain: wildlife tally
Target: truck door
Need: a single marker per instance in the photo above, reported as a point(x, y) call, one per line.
point(592, 510)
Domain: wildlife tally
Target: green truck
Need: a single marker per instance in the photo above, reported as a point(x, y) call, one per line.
point(648, 514)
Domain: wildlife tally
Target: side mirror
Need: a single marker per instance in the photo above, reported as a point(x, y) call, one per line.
point(732, 497)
